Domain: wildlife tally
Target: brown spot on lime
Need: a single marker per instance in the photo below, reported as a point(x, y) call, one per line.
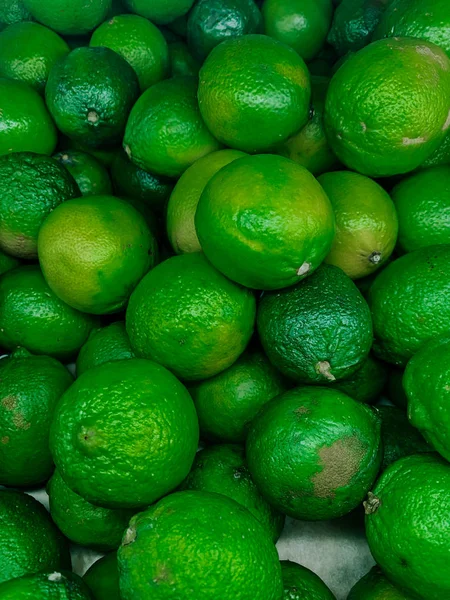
point(323, 368)
point(130, 536)
point(19, 421)
point(372, 504)
point(5, 439)
point(162, 574)
point(340, 462)
point(9, 402)
point(302, 410)
point(375, 257)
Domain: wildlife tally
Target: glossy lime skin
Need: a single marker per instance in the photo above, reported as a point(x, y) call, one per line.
point(13, 11)
point(300, 583)
point(407, 525)
point(30, 387)
point(246, 567)
point(82, 522)
point(376, 586)
point(133, 461)
point(58, 585)
point(104, 345)
point(329, 473)
point(223, 469)
point(69, 18)
point(422, 201)
point(228, 402)
point(33, 317)
point(28, 51)
point(368, 128)
point(296, 327)
point(91, 176)
point(7, 262)
point(210, 22)
point(153, 146)
point(159, 11)
point(365, 384)
point(94, 250)
point(102, 578)
point(25, 121)
point(90, 94)
point(140, 43)
point(409, 304)
point(441, 156)
point(30, 542)
point(254, 92)
point(31, 187)
point(302, 26)
point(190, 318)
point(286, 221)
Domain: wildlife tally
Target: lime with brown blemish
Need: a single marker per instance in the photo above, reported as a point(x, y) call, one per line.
point(300, 583)
point(366, 223)
point(104, 345)
point(74, 18)
point(376, 586)
point(407, 525)
point(330, 472)
point(91, 176)
point(59, 585)
point(102, 578)
point(30, 387)
point(367, 383)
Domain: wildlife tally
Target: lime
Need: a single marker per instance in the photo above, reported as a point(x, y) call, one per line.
point(52, 584)
point(102, 578)
point(70, 18)
point(104, 345)
point(159, 11)
point(13, 11)
point(376, 586)
point(182, 63)
point(91, 176)
point(300, 583)
point(367, 383)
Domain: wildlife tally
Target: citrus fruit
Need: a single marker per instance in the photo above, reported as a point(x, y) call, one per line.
point(102, 578)
point(326, 475)
point(182, 63)
point(407, 524)
point(13, 11)
point(160, 149)
point(131, 181)
point(159, 11)
point(376, 586)
point(441, 156)
point(409, 304)
point(285, 218)
point(190, 318)
point(395, 390)
point(90, 93)
point(33, 317)
point(399, 438)
point(41, 586)
point(210, 22)
point(30, 387)
point(245, 568)
point(91, 176)
point(73, 18)
point(222, 469)
point(365, 384)
point(254, 92)
point(301, 25)
point(423, 19)
point(25, 122)
point(370, 126)
point(422, 201)
point(7, 262)
point(82, 522)
point(185, 196)
point(28, 51)
point(104, 345)
point(31, 187)
point(299, 583)
point(309, 147)
point(94, 250)
point(29, 540)
point(132, 461)
point(228, 402)
point(366, 223)
point(104, 155)
point(318, 331)
point(140, 43)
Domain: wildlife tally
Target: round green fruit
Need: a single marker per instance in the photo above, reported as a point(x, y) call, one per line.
point(102, 578)
point(90, 175)
point(376, 586)
point(300, 583)
point(104, 345)
point(69, 18)
point(159, 11)
point(42, 586)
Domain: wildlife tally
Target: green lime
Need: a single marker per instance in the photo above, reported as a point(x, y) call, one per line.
point(31, 187)
point(28, 51)
point(395, 390)
point(102, 578)
point(367, 383)
point(422, 201)
point(318, 331)
point(314, 452)
point(90, 93)
point(301, 583)
point(29, 541)
point(159, 11)
point(441, 156)
point(254, 92)
point(227, 403)
point(407, 525)
point(70, 18)
point(91, 176)
point(264, 208)
point(185, 196)
point(25, 122)
point(30, 387)
point(301, 25)
point(190, 318)
point(372, 128)
point(131, 461)
point(42, 586)
point(213, 564)
point(33, 317)
point(105, 156)
point(409, 304)
point(104, 345)
point(366, 223)
point(160, 149)
point(376, 586)
point(7, 262)
point(94, 250)
point(182, 63)
point(140, 43)
point(13, 11)
point(223, 470)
